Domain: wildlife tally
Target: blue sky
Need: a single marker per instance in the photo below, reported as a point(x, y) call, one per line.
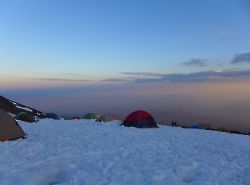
point(116, 56)
point(101, 39)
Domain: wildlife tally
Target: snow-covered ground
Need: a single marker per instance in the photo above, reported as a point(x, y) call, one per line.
point(84, 152)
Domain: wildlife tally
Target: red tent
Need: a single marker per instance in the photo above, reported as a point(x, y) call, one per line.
point(140, 119)
point(76, 118)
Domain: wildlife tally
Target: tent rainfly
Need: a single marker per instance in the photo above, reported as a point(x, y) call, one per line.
point(9, 128)
point(140, 119)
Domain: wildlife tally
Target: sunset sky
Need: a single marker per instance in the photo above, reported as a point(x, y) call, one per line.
point(70, 55)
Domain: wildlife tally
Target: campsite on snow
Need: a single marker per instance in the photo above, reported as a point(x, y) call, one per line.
point(96, 149)
point(125, 92)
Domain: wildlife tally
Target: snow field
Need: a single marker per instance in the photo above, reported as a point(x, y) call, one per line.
point(79, 152)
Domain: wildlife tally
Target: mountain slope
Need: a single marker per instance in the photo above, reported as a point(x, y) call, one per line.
point(15, 108)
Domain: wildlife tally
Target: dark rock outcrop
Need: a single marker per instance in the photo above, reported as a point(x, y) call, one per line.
point(16, 108)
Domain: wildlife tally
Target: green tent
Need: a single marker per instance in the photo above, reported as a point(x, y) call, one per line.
point(52, 116)
point(90, 116)
point(24, 116)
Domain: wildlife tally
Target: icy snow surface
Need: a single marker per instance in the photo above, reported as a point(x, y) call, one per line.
point(83, 152)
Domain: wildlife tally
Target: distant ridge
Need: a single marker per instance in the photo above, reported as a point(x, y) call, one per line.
point(15, 108)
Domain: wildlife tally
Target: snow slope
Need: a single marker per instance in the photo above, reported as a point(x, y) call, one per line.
point(84, 152)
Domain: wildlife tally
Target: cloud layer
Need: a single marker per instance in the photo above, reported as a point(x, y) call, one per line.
point(241, 58)
point(204, 76)
point(200, 62)
point(61, 79)
point(145, 74)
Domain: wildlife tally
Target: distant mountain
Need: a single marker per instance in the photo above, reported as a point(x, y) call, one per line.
point(15, 108)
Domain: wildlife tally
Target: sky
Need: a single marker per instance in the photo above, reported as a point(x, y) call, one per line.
point(72, 56)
